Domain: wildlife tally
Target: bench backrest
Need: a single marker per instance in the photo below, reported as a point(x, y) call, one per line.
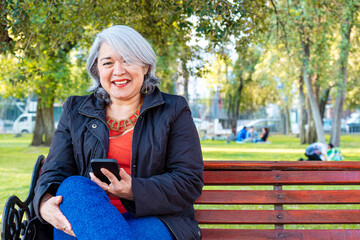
point(280, 176)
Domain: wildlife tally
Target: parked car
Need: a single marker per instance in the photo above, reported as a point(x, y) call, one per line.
point(25, 123)
point(203, 125)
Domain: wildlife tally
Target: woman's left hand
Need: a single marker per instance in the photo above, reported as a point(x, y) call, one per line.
point(116, 188)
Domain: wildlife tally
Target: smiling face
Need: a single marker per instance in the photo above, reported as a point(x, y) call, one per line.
point(121, 80)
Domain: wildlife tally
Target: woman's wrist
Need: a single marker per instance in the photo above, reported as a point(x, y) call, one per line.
point(43, 200)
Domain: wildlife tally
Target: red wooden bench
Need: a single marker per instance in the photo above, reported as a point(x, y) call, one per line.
point(278, 176)
point(274, 175)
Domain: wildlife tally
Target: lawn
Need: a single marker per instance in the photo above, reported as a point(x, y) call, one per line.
point(17, 158)
point(281, 148)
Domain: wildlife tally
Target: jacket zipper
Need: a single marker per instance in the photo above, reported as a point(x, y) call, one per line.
point(132, 145)
point(168, 227)
point(133, 165)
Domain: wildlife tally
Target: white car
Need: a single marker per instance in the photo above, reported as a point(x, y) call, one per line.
point(203, 125)
point(25, 123)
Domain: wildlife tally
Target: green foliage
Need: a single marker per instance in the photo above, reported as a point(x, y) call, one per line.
point(258, 91)
point(48, 41)
point(47, 37)
point(353, 91)
point(55, 29)
point(221, 21)
point(320, 24)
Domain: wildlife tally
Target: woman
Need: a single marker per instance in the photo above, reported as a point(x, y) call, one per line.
point(265, 134)
point(152, 136)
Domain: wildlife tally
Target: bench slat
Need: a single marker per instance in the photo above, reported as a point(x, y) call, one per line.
point(279, 197)
point(247, 234)
point(278, 216)
point(283, 178)
point(281, 165)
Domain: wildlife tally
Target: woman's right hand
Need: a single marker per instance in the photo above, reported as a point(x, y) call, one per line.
point(51, 213)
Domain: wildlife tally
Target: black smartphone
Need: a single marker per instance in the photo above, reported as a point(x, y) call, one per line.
point(110, 164)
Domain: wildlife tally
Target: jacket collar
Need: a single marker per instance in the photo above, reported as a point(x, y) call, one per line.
point(93, 107)
point(152, 100)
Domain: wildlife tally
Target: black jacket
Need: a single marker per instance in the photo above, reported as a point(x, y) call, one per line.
point(166, 163)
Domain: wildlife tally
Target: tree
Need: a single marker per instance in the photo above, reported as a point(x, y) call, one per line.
point(276, 69)
point(238, 23)
point(347, 21)
point(306, 31)
point(243, 88)
point(44, 54)
point(352, 100)
point(244, 91)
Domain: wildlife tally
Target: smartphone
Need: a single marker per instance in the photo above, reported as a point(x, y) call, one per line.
point(110, 164)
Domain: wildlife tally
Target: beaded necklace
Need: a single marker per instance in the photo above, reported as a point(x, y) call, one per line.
point(124, 124)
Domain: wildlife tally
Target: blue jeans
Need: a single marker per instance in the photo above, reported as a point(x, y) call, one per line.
point(92, 216)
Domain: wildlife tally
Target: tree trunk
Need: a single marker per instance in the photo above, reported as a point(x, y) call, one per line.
point(305, 43)
point(287, 122)
point(234, 105)
point(302, 110)
point(39, 126)
point(185, 74)
point(323, 101)
point(341, 86)
point(312, 137)
point(44, 123)
point(311, 130)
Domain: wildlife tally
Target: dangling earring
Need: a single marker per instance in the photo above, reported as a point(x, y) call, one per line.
point(146, 86)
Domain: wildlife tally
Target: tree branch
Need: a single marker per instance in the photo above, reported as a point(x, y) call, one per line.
point(281, 23)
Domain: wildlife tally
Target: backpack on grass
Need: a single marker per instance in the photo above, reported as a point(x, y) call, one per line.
point(334, 154)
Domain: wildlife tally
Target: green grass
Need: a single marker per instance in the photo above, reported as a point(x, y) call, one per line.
point(281, 148)
point(17, 159)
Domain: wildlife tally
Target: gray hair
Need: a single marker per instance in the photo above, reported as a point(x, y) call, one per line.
point(129, 46)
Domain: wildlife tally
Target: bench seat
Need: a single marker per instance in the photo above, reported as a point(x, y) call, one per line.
point(279, 178)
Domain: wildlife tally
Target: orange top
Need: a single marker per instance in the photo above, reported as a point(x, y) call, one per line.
point(120, 149)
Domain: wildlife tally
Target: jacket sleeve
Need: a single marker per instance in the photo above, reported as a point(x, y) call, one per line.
point(59, 163)
point(181, 183)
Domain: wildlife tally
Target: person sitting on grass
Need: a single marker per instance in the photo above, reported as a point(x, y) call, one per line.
point(241, 136)
point(252, 135)
point(317, 151)
point(265, 134)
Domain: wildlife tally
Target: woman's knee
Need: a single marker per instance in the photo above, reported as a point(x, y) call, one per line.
point(78, 187)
